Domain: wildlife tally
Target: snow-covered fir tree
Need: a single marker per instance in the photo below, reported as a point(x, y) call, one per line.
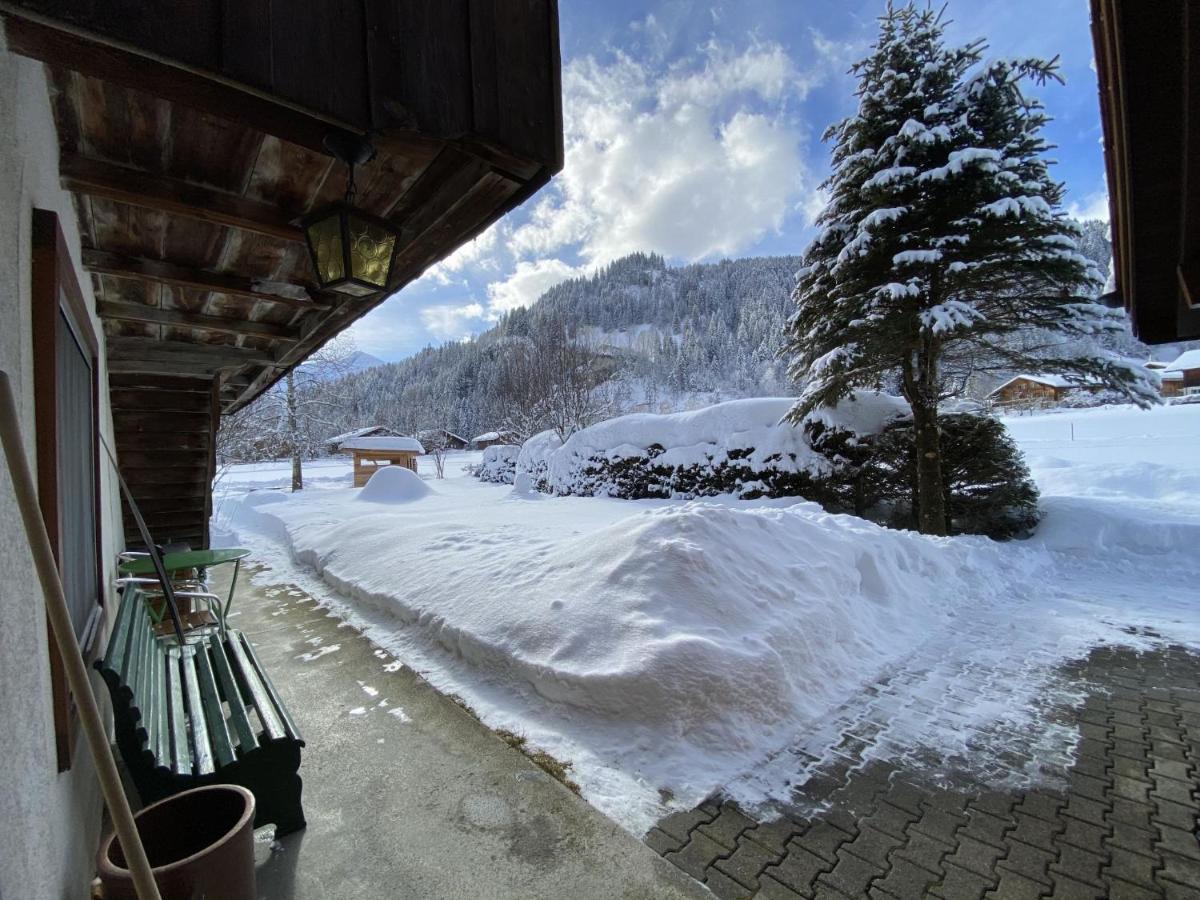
point(944, 233)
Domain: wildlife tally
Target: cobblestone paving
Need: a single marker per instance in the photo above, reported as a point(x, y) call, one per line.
point(1111, 813)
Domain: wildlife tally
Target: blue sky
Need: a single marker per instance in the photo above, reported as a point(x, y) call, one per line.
point(693, 130)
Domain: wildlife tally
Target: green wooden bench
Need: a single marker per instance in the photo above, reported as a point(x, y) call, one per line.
point(201, 713)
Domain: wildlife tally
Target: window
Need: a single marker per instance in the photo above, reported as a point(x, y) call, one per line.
point(66, 394)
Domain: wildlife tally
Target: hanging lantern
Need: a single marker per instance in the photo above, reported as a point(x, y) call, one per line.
point(351, 250)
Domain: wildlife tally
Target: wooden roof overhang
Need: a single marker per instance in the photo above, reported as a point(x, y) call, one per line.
point(1148, 64)
point(192, 136)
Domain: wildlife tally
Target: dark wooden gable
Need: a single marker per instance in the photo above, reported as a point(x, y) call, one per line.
point(192, 136)
point(1148, 64)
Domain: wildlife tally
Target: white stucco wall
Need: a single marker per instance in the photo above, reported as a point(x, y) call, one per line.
point(49, 823)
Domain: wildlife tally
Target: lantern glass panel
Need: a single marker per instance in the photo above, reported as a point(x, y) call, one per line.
point(370, 250)
point(325, 237)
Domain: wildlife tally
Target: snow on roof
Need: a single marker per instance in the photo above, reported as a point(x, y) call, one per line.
point(357, 432)
point(1188, 360)
point(490, 436)
point(399, 444)
point(1055, 381)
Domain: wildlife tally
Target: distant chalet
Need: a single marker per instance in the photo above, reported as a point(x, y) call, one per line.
point(491, 438)
point(1036, 390)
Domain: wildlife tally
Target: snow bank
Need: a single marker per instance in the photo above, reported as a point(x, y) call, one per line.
point(706, 630)
point(394, 484)
point(1117, 530)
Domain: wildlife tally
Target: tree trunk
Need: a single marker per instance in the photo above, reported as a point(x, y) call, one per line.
point(930, 499)
point(294, 434)
point(920, 386)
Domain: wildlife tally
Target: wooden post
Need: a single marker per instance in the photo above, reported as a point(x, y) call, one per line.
point(68, 647)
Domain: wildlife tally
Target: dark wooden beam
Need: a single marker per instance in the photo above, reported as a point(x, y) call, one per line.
point(157, 271)
point(131, 354)
point(136, 312)
point(137, 400)
point(173, 196)
point(56, 43)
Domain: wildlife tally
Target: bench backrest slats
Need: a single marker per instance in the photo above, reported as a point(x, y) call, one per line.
point(148, 704)
point(201, 746)
point(248, 676)
point(118, 644)
point(151, 650)
point(218, 731)
point(284, 715)
point(247, 740)
point(181, 757)
point(135, 673)
point(158, 714)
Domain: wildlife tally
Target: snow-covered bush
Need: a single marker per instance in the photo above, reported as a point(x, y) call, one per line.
point(534, 453)
point(738, 447)
point(857, 457)
point(499, 464)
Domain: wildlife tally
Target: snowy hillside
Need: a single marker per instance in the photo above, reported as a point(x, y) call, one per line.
point(680, 338)
point(672, 645)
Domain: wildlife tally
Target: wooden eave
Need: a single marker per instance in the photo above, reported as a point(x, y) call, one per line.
point(192, 139)
point(1148, 66)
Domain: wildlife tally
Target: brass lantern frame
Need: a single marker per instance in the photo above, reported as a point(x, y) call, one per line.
point(331, 236)
point(335, 264)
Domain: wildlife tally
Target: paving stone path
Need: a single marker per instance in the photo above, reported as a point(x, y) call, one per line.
point(1112, 812)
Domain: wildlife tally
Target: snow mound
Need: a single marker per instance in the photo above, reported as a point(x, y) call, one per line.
point(1115, 530)
point(263, 498)
point(716, 626)
point(394, 484)
point(524, 488)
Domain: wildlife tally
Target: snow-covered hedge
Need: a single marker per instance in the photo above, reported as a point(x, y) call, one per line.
point(853, 458)
point(499, 463)
point(738, 447)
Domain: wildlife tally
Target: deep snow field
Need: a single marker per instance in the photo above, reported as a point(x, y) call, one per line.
point(673, 646)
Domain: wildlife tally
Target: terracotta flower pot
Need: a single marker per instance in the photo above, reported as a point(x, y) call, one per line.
point(200, 844)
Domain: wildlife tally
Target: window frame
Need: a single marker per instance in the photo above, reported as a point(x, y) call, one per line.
point(55, 296)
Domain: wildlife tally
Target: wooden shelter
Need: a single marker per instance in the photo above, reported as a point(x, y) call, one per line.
point(1148, 64)
point(194, 136)
point(372, 453)
point(334, 444)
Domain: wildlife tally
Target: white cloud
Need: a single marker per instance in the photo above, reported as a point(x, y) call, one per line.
point(691, 163)
point(449, 322)
point(478, 254)
point(1093, 206)
point(526, 284)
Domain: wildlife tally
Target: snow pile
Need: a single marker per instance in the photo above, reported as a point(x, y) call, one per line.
point(499, 464)
point(1118, 530)
point(741, 447)
point(701, 631)
point(394, 484)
